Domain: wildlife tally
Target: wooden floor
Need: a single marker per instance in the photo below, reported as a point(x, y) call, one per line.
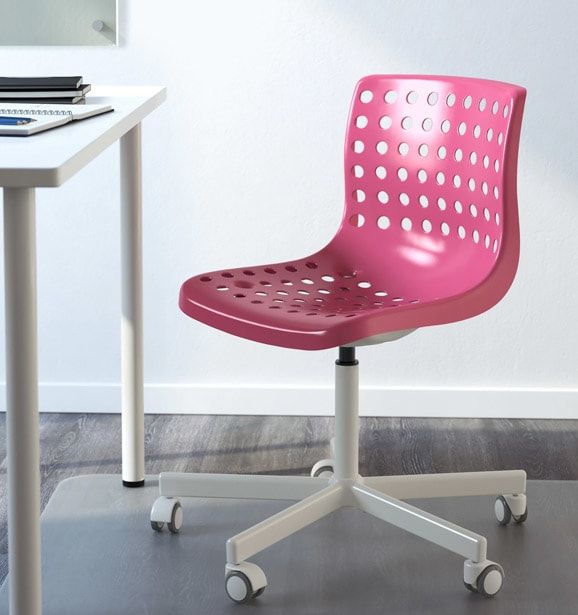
point(86, 444)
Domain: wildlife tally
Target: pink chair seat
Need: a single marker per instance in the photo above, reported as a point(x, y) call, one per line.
point(430, 227)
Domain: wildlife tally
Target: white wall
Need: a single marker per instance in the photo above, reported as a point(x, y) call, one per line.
point(243, 165)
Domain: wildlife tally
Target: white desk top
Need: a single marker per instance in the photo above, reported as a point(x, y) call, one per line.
point(50, 158)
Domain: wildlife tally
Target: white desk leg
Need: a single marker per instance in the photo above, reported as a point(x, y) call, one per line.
point(22, 402)
point(132, 315)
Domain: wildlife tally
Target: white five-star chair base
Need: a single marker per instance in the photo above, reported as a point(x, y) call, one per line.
point(335, 484)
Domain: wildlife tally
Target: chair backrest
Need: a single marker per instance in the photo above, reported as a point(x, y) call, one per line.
point(430, 182)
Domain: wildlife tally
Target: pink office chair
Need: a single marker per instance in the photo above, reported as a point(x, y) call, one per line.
point(429, 236)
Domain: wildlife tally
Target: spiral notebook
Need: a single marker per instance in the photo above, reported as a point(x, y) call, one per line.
point(23, 120)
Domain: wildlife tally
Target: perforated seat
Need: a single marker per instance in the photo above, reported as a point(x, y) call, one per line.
point(429, 233)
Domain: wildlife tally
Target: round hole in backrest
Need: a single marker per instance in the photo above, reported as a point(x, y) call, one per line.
point(357, 220)
point(361, 121)
point(426, 226)
point(458, 207)
point(432, 98)
point(467, 102)
point(357, 170)
point(270, 270)
point(422, 175)
point(358, 196)
point(358, 146)
point(403, 149)
point(461, 232)
point(423, 200)
point(390, 96)
point(381, 147)
point(402, 173)
point(423, 150)
point(427, 124)
point(406, 224)
point(462, 128)
point(205, 278)
point(445, 228)
point(442, 203)
point(291, 268)
point(412, 97)
point(364, 285)
point(383, 222)
point(445, 126)
point(442, 152)
point(451, 100)
point(404, 198)
point(380, 172)
point(406, 122)
point(366, 96)
point(382, 197)
point(385, 122)
point(482, 104)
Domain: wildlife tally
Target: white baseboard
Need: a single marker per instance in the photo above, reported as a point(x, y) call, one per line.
point(523, 402)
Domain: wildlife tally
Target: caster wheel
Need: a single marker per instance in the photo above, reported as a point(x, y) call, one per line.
point(323, 468)
point(490, 581)
point(503, 509)
point(522, 517)
point(485, 578)
point(244, 582)
point(167, 511)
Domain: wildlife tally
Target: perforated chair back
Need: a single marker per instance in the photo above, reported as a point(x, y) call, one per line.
point(430, 182)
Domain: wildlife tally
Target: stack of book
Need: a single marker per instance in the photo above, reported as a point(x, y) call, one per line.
point(58, 90)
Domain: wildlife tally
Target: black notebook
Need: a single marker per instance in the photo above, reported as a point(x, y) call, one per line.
point(38, 93)
point(39, 83)
point(60, 100)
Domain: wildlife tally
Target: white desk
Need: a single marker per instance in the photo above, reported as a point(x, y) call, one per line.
point(48, 160)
